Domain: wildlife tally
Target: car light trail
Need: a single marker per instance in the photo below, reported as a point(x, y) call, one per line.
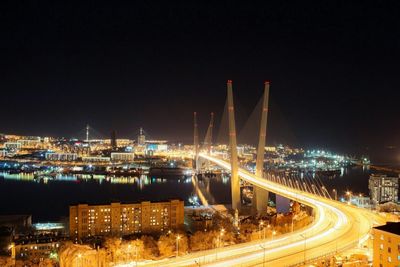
point(334, 227)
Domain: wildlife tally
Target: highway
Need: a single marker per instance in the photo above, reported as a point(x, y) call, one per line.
point(337, 226)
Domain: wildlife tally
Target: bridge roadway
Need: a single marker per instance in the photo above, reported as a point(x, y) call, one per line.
point(336, 227)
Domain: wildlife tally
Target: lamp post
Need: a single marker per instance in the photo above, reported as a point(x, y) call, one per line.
point(136, 254)
point(292, 222)
point(334, 193)
point(263, 247)
point(304, 236)
point(178, 237)
point(129, 251)
point(349, 194)
point(79, 256)
point(261, 227)
point(221, 234)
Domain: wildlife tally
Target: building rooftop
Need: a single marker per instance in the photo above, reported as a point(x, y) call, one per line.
point(391, 227)
point(124, 203)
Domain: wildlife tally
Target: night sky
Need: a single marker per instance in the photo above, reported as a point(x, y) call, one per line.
point(333, 68)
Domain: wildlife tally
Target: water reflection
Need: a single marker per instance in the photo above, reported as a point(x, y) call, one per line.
point(140, 181)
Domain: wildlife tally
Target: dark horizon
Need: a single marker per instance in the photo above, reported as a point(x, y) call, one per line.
point(332, 68)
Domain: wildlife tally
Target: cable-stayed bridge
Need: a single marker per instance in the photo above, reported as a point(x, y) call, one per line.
point(336, 227)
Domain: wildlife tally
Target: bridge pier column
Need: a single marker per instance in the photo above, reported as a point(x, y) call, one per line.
point(195, 142)
point(235, 181)
point(260, 200)
point(260, 195)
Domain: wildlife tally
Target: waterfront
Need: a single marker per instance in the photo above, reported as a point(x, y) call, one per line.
point(49, 199)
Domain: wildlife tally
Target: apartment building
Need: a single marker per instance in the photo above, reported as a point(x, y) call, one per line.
point(123, 219)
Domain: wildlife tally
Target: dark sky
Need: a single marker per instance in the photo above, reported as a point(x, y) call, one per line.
point(333, 67)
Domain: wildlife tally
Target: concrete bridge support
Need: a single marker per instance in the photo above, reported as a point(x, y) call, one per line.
point(196, 142)
point(235, 182)
point(260, 197)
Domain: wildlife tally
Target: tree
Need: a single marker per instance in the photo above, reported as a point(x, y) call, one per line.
point(167, 244)
point(199, 241)
point(134, 249)
point(48, 263)
point(113, 247)
point(150, 247)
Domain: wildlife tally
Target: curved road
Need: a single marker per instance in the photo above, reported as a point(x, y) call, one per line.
point(337, 226)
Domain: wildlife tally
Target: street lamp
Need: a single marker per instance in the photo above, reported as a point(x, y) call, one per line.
point(136, 255)
point(304, 236)
point(273, 234)
point(335, 193)
point(129, 251)
point(79, 256)
point(349, 194)
point(221, 234)
point(263, 247)
point(292, 222)
point(261, 226)
point(178, 237)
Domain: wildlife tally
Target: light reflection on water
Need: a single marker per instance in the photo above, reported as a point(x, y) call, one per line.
point(48, 197)
point(26, 193)
point(141, 181)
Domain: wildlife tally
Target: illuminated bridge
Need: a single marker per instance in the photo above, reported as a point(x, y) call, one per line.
point(336, 227)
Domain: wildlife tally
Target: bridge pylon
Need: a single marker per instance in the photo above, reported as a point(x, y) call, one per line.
point(208, 138)
point(196, 142)
point(235, 181)
point(260, 196)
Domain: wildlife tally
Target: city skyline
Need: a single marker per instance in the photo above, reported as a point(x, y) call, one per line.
point(199, 134)
point(331, 67)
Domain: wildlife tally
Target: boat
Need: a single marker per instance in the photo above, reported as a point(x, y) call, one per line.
point(169, 171)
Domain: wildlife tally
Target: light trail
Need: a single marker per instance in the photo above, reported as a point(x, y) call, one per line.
point(337, 226)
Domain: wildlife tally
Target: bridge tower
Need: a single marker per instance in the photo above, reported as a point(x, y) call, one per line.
point(87, 132)
point(208, 139)
point(261, 195)
point(235, 182)
point(196, 141)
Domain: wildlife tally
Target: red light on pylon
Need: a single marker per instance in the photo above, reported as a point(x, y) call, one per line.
point(267, 82)
point(229, 81)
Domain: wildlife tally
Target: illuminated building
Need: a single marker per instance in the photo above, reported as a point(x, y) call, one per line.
point(3, 153)
point(383, 188)
point(386, 245)
point(122, 156)
point(156, 145)
point(113, 140)
point(95, 159)
point(36, 249)
point(30, 143)
point(61, 156)
point(141, 138)
point(122, 219)
point(12, 145)
point(270, 149)
point(361, 201)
